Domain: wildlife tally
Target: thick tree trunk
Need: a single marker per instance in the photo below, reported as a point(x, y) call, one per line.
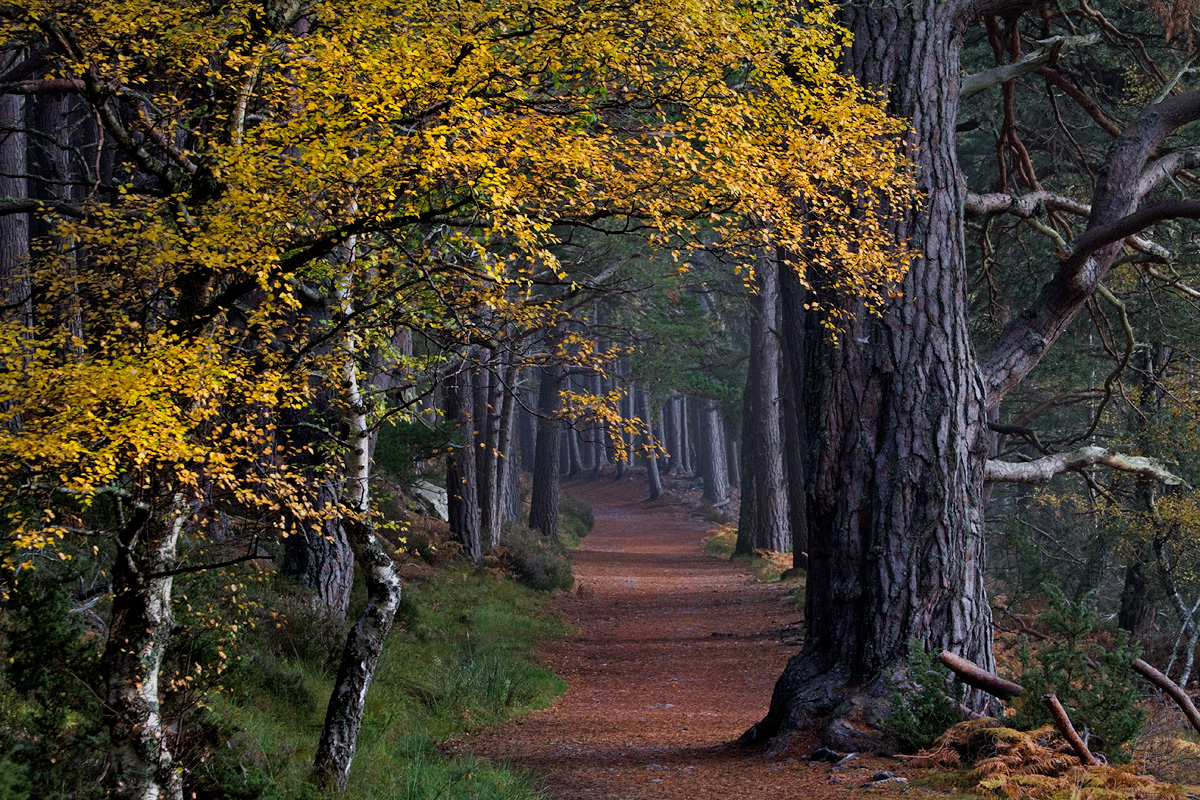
point(794, 433)
point(142, 766)
point(14, 228)
point(462, 481)
point(896, 426)
point(543, 501)
point(321, 560)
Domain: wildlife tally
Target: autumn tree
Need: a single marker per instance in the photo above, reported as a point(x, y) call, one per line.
point(400, 168)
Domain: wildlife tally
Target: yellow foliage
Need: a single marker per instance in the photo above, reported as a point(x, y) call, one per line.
point(420, 157)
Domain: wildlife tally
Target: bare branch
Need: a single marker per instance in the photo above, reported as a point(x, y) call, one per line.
point(1043, 469)
point(25, 205)
point(1097, 237)
point(1050, 50)
point(1114, 215)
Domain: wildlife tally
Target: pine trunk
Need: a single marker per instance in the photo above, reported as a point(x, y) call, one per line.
point(686, 463)
point(543, 501)
point(14, 228)
point(321, 560)
point(763, 437)
point(794, 433)
point(653, 479)
point(507, 471)
point(710, 442)
point(896, 426)
point(462, 482)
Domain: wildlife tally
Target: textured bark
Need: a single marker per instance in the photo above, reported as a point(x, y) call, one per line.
point(14, 228)
point(543, 500)
point(896, 428)
point(321, 560)
point(791, 294)
point(711, 452)
point(462, 487)
point(364, 644)
point(142, 766)
point(763, 489)
point(318, 559)
point(507, 468)
point(653, 479)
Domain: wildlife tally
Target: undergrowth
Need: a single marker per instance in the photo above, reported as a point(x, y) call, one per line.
point(458, 658)
point(921, 708)
point(1092, 674)
point(766, 566)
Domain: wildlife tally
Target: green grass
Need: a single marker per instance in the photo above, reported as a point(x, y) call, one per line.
point(458, 658)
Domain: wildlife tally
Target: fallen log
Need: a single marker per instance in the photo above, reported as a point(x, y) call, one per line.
point(1171, 688)
point(980, 678)
point(1063, 723)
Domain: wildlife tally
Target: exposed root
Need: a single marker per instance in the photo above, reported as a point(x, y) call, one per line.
point(810, 695)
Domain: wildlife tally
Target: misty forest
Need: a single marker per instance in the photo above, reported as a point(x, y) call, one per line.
point(576, 399)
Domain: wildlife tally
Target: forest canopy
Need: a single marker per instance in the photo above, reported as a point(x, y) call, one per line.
point(227, 224)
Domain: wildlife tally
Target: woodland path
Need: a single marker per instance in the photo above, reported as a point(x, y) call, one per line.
point(675, 656)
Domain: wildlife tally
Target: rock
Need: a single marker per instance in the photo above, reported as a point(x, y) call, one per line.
point(825, 754)
point(433, 497)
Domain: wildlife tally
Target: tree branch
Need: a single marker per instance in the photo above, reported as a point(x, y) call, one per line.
point(1043, 469)
point(25, 205)
point(1095, 238)
point(1025, 340)
point(1049, 52)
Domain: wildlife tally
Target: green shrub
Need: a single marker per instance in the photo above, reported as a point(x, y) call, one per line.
point(575, 519)
point(50, 722)
point(459, 656)
point(402, 445)
point(921, 709)
point(1103, 698)
point(537, 561)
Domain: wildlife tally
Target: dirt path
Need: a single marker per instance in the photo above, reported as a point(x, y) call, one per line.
point(675, 657)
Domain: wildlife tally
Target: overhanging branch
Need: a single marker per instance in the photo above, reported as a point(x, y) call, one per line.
point(1043, 469)
point(1050, 50)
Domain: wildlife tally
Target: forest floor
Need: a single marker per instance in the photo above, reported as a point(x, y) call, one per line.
point(675, 656)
